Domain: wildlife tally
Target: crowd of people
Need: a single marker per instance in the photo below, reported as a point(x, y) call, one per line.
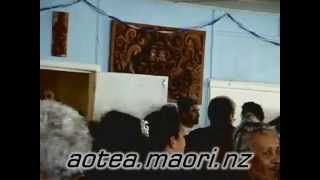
point(169, 129)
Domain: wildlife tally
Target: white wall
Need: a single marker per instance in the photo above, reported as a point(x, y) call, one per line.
point(267, 95)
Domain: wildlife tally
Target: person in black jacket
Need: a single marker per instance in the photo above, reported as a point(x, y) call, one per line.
point(165, 133)
point(118, 132)
point(165, 136)
point(219, 134)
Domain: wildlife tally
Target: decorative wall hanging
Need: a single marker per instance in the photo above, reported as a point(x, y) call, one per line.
point(60, 22)
point(170, 52)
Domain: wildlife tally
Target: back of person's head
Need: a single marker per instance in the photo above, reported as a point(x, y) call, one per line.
point(163, 125)
point(220, 111)
point(254, 108)
point(185, 104)
point(62, 131)
point(276, 123)
point(118, 132)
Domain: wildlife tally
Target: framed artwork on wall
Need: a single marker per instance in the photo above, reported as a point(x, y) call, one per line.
point(60, 21)
point(163, 51)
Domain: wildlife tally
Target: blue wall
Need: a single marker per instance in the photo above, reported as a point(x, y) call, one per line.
point(230, 53)
point(239, 56)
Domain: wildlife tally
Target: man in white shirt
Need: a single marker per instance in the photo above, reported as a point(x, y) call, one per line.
point(189, 114)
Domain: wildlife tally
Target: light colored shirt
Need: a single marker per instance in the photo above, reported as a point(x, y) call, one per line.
point(186, 129)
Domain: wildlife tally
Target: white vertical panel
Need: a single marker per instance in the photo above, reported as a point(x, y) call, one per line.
point(135, 94)
point(267, 95)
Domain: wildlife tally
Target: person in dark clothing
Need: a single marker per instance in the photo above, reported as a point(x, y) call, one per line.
point(165, 136)
point(251, 114)
point(219, 134)
point(118, 132)
point(165, 133)
point(254, 108)
point(188, 113)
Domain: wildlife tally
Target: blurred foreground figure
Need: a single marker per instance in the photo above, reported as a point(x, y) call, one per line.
point(263, 141)
point(118, 132)
point(62, 131)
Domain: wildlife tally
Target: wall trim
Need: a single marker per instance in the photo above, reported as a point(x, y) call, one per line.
point(69, 66)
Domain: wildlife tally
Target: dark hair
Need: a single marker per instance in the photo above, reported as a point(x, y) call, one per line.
point(120, 132)
point(220, 110)
point(275, 122)
point(117, 132)
point(185, 103)
point(162, 125)
point(254, 108)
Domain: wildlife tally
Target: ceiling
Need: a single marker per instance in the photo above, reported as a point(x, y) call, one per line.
point(270, 6)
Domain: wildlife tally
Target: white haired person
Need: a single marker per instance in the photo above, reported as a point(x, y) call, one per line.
point(263, 141)
point(62, 131)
